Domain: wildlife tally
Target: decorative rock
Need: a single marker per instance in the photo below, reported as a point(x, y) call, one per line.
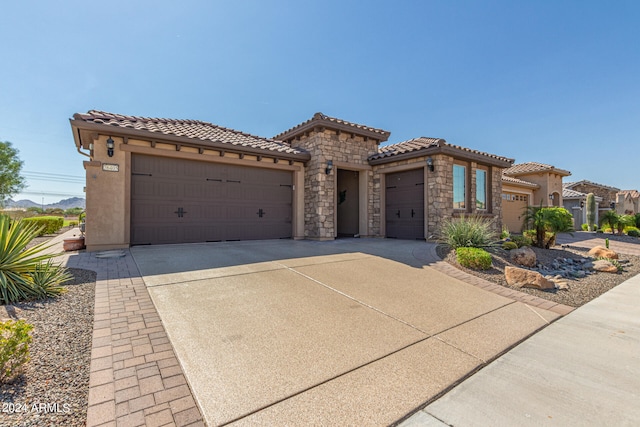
point(604, 266)
point(599, 251)
point(524, 256)
point(522, 278)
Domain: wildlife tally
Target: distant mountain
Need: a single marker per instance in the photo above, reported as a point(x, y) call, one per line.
point(74, 202)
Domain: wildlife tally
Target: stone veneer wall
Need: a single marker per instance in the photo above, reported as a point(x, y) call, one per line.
point(324, 145)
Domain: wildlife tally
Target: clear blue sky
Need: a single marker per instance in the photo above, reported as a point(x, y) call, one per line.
point(555, 82)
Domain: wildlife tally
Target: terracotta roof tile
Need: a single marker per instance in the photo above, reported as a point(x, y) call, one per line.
point(517, 181)
point(322, 119)
point(532, 167)
point(194, 129)
point(633, 193)
point(585, 182)
point(423, 143)
point(406, 147)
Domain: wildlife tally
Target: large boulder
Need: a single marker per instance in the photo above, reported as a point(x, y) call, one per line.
point(600, 252)
point(521, 278)
point(523, 256)
point(604, 266)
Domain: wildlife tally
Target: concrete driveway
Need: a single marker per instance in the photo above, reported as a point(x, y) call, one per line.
point(349, 332)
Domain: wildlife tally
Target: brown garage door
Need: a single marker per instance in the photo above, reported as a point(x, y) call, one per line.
point(185, 201)
point(405, 204)
point(513, 206)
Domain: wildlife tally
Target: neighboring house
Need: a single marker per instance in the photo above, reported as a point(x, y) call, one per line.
point(608, 195)
point(158, 181)
point(576, 203)
point(529, 184)
point(628, 202)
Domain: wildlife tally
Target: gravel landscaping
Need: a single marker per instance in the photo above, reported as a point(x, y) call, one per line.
point(581, 290)
point(54, 388)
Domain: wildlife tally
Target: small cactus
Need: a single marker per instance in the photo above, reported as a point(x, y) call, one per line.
point(606, 243)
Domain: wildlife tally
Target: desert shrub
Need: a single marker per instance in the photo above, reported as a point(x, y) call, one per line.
point(509, 245)
point(521, 240)
point(48, 224)
point(505, 234)
point(633, 232)
point(475, 258)
point(26, 273)
point(467, 231)
point(14, 348)
point(585, 227)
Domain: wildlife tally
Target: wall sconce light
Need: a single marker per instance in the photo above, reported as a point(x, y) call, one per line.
point(581, 204)
point(612, 205)
point(329, 167)
point(110, 146)
point(550, 196)
point(430, 164)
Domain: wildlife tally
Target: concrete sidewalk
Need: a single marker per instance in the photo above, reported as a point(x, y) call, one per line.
point(582, 370)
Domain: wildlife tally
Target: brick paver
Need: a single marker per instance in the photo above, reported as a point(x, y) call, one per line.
point(135, 376)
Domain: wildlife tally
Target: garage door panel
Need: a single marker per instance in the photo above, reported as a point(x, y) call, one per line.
point(404, 204)
point(219, 202)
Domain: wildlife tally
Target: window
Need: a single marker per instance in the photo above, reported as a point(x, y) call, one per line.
point(481, 189)
point(459, 186)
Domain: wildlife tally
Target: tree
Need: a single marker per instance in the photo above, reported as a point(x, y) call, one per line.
point(547, 221)
point(11, 182)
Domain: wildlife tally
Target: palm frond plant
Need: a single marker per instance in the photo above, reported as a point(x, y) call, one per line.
point(610, 217)
point(26, 273)
point(547, 222)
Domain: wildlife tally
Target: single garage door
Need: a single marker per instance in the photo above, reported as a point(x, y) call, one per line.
point(513, 206)
point(186, 201)
point(404, 203)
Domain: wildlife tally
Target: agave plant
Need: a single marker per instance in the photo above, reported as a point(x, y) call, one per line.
point(26, 273)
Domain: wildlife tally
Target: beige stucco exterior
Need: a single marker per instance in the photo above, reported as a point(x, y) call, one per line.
point(108, 191)
point(316, 144)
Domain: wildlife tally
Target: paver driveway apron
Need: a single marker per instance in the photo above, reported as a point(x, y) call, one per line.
point(357, 331)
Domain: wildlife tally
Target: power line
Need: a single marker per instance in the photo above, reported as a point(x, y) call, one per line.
point(53, 174)
point(49, 193)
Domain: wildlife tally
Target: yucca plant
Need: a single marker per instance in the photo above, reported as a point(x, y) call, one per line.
point(468, 231)
point(26, 273)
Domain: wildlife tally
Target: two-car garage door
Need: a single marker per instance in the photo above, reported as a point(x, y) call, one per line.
point(185, 201)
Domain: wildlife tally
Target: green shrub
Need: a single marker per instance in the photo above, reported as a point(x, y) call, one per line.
point(585, 227)
point(467, 231)
point(633, 232)
point(505, 234)
point(14, 348)
point(546, 223)
point(475, 258)
point(49, 224)
point(522, 240)
point(26, 273)
point(507, 246)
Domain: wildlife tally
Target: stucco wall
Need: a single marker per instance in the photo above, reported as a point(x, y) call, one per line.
point(107, 222)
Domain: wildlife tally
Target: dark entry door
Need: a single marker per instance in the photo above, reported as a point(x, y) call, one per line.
point(348, 200)
point(405, 204)
point(185, 201)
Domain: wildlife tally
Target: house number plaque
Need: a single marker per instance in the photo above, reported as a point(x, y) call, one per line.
point(109, 167)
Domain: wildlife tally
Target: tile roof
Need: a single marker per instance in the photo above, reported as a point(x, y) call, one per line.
point(319, 119)
point(533, 167)
point(438, 144)
point(192, 129)
point(585, 182)
point(633, 193)
point(407, 147)
point(517, 181)
point(568, 193)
